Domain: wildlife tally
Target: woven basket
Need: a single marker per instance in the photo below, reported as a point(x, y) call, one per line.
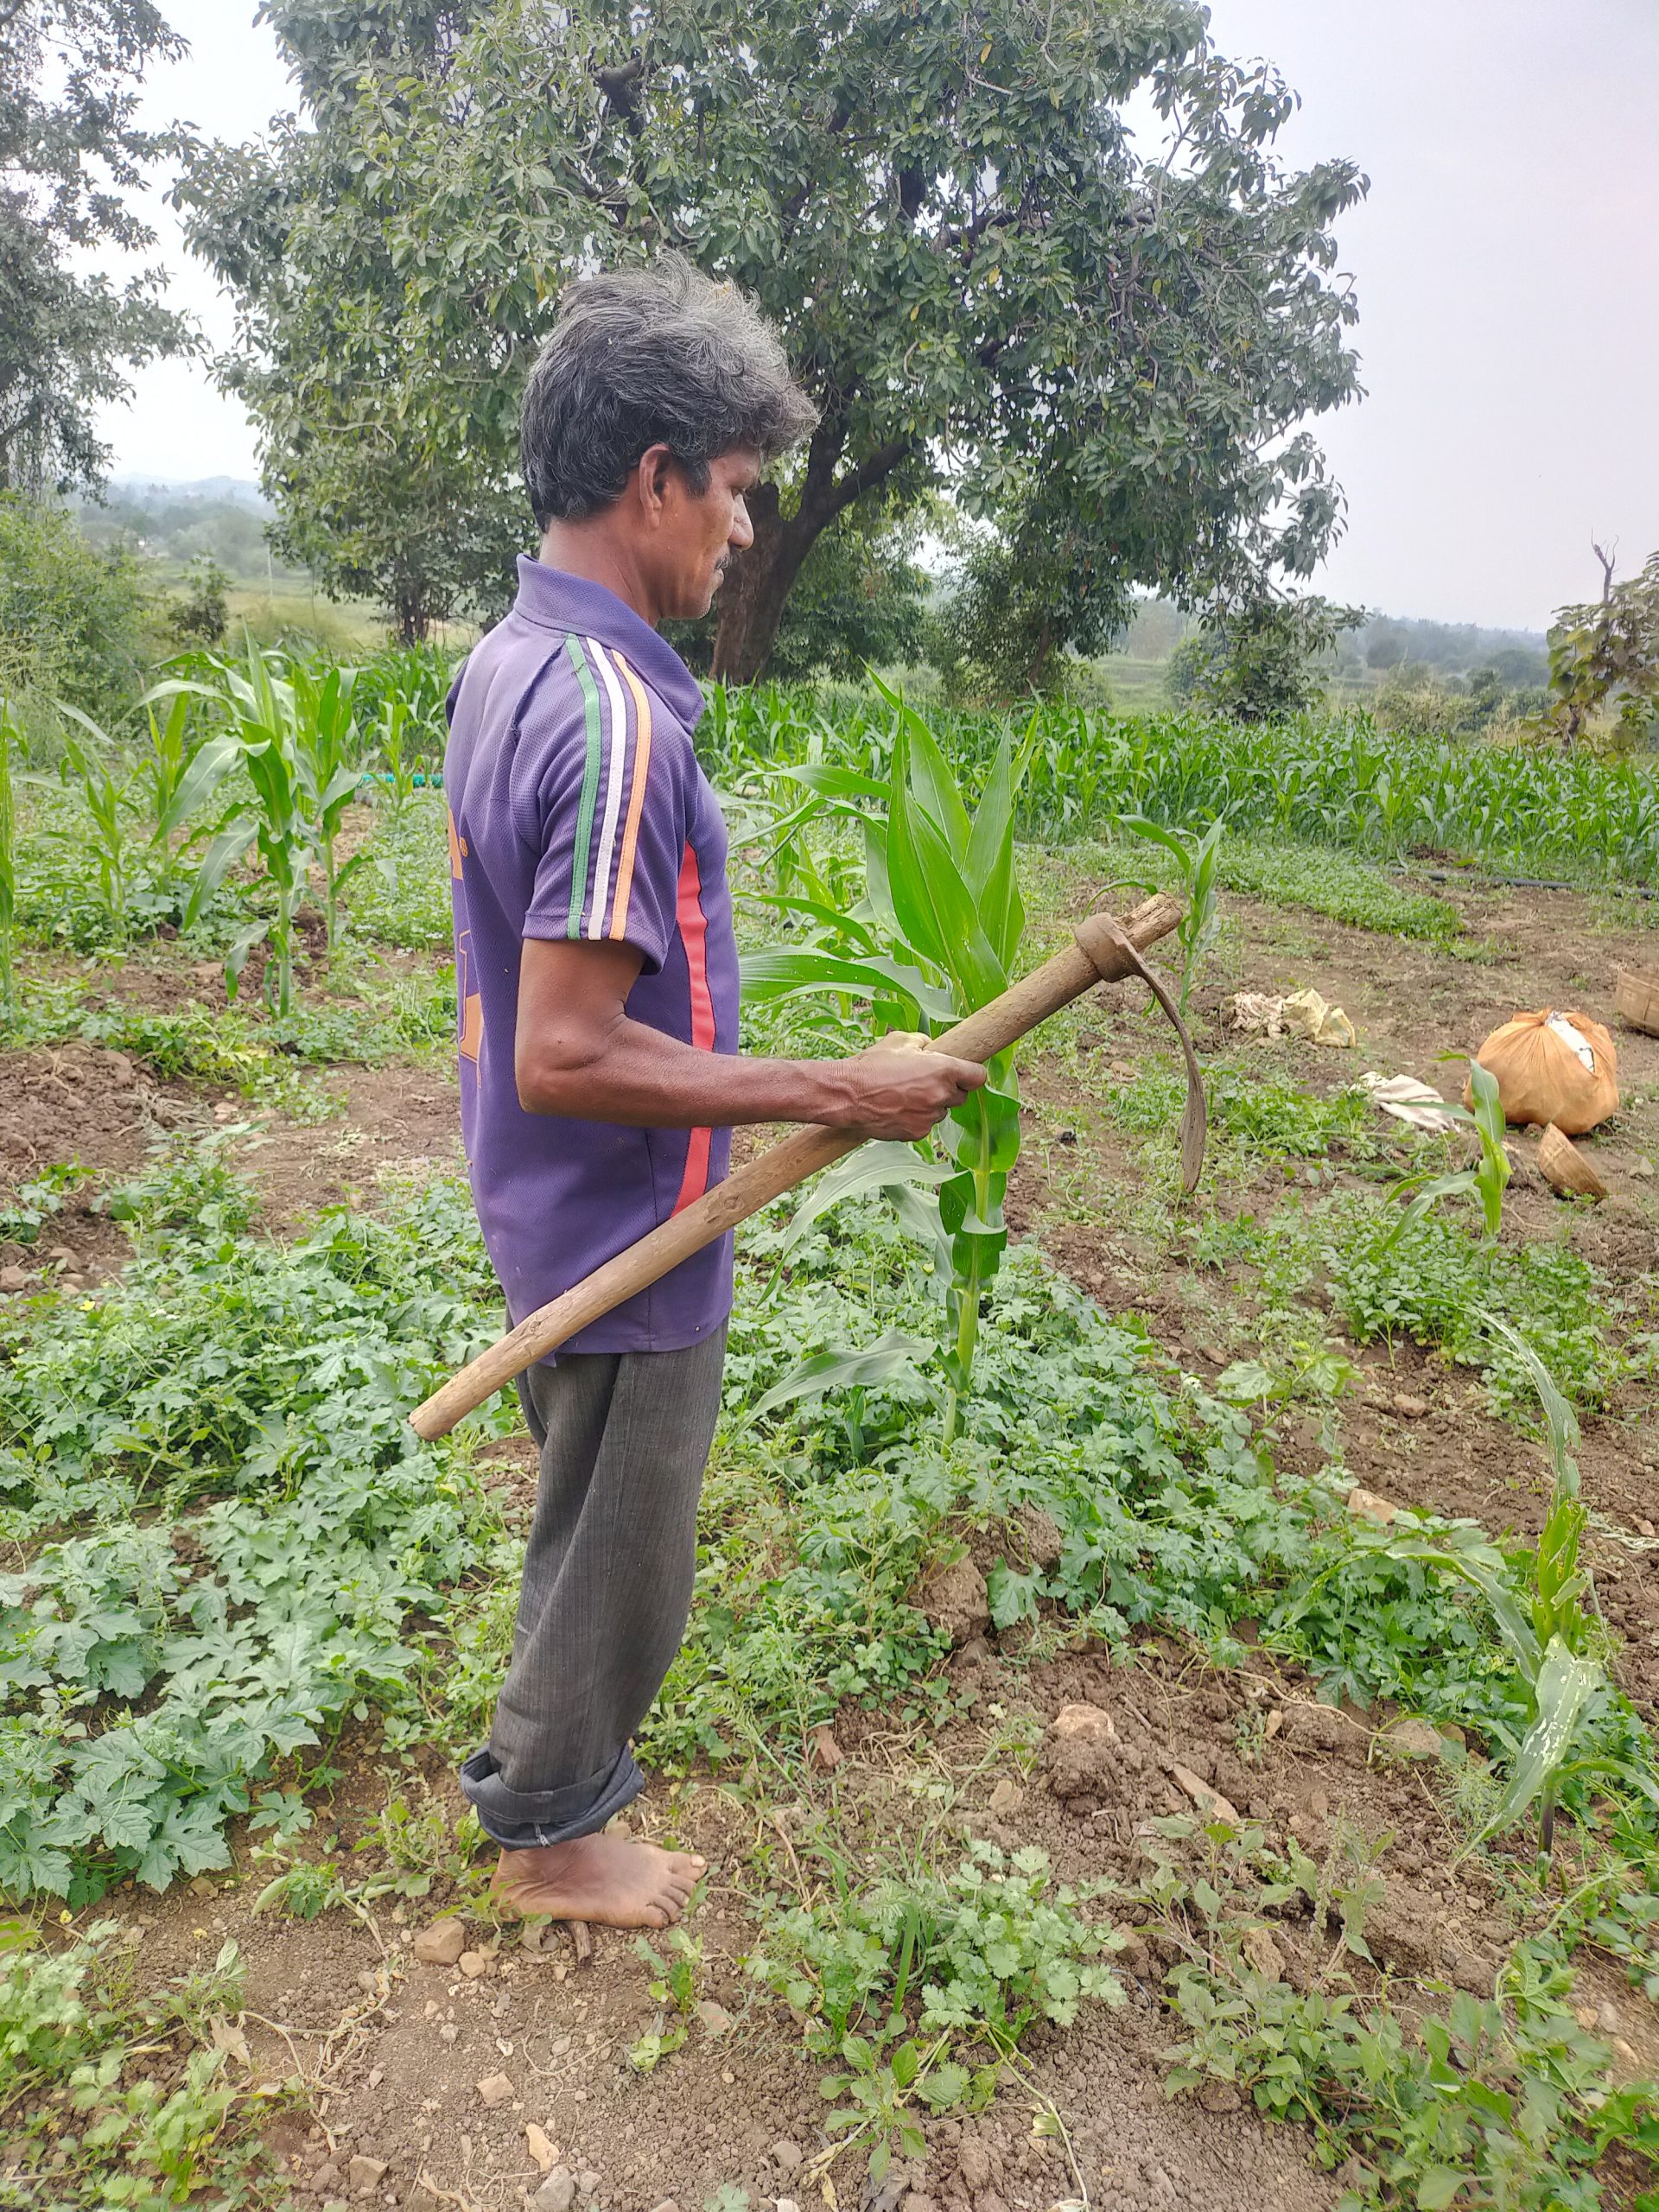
point(1636, 997)
point(1564, 1168)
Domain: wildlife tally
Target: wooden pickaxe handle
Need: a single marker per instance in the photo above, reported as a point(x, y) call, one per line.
point(1098, 954)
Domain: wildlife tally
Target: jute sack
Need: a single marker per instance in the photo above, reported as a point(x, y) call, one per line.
point(1553, 1067)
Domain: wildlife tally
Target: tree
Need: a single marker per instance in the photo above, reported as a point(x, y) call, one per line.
point(1608, 652)
point(1257, 662)
point(69, 149)
point(977, 273)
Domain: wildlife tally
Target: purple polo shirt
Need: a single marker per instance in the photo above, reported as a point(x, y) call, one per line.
point(577, 810)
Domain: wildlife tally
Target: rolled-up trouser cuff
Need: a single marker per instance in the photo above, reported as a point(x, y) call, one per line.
point(519, 1820)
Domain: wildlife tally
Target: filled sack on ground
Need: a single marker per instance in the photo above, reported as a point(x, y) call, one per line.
point(1553, 1067)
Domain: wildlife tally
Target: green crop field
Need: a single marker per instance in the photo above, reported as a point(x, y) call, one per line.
point(1216, 1627)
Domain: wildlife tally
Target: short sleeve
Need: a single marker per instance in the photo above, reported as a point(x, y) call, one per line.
point(612, 816)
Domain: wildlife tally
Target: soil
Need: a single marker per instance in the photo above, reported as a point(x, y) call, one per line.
point(393, 2050)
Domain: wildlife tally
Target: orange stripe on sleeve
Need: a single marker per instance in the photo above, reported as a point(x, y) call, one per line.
point(636, 797)
point(694, 930)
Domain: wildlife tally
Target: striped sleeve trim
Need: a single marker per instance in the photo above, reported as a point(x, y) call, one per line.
point(617, 759)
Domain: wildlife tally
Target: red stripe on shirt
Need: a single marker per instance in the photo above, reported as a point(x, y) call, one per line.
point(694, 932)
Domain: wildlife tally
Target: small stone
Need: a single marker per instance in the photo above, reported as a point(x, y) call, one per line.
point(472, 1964)
point(1006, 1797)
point(495, 2090)
point(441, 1944)
point(785, 2155)
point(447, 2032)
point(1645, 1528)
point(715, 2017)
point(587, 2181)
point(667, 2205)
point(1608, 2018)
point(1087, 1721)
point(14, 1277)
point(326, 2176)
point(66, 1258)
point(376, 2077)
point(1220, 2097)
point(365, 2174)
point(1644, 1167)
point(1209, 1803)
point(557, 2193)
point(783, 2204)
point(1369, 1507)
point(1410, 1408)
point(541, 2147)
point(917, 2200)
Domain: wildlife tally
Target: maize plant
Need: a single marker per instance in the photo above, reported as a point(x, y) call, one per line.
point(936, 935)
point(1550, 1624)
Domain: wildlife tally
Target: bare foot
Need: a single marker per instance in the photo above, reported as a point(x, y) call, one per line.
point(611, 1879)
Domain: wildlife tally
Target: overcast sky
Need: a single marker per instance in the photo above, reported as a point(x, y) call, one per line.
point(1507, 263)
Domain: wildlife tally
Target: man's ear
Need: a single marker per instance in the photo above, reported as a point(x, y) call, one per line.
point(652, 481)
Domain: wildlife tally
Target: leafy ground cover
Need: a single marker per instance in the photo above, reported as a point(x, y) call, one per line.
point(1100, 1801)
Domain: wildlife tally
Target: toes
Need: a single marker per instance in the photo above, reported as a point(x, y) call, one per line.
point(659, 1915)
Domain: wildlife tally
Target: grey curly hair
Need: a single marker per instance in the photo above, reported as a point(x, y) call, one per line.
point(645, 357)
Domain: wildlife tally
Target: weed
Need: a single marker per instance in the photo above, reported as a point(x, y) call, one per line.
point(103, 2102)
point(674, 1986)
point(922, 1988)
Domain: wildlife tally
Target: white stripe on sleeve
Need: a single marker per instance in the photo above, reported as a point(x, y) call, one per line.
point(619, 720)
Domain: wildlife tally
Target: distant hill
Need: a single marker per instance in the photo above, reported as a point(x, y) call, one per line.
point(214, 489)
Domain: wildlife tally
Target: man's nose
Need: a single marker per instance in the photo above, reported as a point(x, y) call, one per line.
point(741, 533)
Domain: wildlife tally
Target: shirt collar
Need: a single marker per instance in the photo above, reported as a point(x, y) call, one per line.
point(555, 601)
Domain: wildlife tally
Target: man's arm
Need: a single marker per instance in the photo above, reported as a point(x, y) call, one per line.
point(576, 1052)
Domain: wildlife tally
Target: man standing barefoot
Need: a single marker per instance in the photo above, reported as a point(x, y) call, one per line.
point(597, 973)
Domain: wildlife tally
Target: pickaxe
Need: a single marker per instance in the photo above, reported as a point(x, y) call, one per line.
point(1102, 950)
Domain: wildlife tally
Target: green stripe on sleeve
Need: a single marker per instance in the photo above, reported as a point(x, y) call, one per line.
point(589, 787)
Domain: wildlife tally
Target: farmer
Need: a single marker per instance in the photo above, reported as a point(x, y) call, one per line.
point(600, 1078)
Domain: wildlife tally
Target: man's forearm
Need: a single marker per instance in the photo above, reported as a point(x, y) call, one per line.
point(641, 1078)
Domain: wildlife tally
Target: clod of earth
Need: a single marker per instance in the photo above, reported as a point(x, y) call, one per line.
point(365, 2173)
point(1322, 1728)
point(557, 2193)
point(541, 2147)
point(1044, 1542)
point(954, 1600)
point(441, 1944)
point(495, 2090)
point(472, 1964)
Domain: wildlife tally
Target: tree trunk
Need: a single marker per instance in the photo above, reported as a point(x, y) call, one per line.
point(757, 584)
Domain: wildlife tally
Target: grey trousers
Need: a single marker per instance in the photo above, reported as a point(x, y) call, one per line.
point(608, 1574)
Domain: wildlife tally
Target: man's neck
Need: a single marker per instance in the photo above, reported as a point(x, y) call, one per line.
point(590, 550)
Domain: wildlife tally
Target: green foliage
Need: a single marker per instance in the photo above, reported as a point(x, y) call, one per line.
point(1198, 873)
point(936, 935)
point(104, 2101)
point(1556, 1643)
point(921, 1987)
point(70, 153)
point(1486, 1182)
point(1497, 2102)
point(1338, 884)
point(1428, 1283)
point(1332, 780)
point(674, 1986)
point(76, 621)
point(156, 1668)
point(202, 617)
point(1608, 654)
point(475, 161)
point(1257, 662)
point(9, 744)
